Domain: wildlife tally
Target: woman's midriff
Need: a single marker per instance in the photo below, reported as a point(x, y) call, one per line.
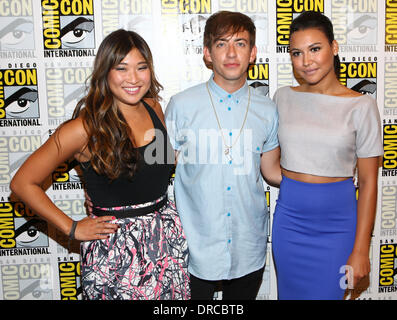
point(308, 178)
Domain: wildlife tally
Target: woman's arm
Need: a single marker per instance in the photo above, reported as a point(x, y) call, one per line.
point(270, 167)
point(27, 182)
point(366, 210)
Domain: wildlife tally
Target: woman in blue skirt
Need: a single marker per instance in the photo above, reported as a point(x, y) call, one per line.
point(328, 134)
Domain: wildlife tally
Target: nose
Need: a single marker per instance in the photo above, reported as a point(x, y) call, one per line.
point(132, 76)
point(306, 59)
point(231, 50)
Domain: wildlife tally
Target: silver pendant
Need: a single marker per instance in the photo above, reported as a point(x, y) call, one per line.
point(228, 154)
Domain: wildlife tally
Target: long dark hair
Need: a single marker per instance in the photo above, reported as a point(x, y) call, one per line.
point(314, 19)
point(109, 144)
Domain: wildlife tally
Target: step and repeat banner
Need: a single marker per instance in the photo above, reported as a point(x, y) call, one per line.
point(47, 49)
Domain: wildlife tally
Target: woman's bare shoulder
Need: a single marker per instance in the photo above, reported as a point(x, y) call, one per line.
point(156, 106)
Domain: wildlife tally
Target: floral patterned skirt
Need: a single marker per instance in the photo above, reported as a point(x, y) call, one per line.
point(145, 260)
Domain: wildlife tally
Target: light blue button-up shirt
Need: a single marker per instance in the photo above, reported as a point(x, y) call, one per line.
point(221, 199)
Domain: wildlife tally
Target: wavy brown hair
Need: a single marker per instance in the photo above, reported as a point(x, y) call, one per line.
point(109, 136)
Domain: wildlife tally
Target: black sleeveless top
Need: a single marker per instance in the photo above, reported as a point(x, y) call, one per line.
point(150, 180)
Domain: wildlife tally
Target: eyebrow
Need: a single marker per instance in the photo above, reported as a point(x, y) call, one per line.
point(13, 25)
point(23, 93)
point(30, 223)
point(227, 39)
point(310, 46)
point(79, 23)
point(125, 63)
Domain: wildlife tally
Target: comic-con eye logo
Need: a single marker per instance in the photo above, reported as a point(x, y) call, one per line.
point(359, 76)
point(17, 34)
point(258, 78)
point(16, 20)
point(19, 97)
point(65, 87)
point(355, 22)
point(67, 176)
point(17, 231)
point(14, 150)
point(68, 25)
point(286, 11)
point(27, 281)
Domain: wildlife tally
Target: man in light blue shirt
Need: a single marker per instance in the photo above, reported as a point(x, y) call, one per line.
point(225, 135)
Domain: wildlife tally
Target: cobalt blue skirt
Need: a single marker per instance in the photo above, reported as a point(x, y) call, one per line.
point(313, 235)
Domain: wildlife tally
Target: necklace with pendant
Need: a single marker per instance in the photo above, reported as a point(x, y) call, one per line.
point(228, 148)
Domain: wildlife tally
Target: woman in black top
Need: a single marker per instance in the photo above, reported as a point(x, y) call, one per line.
point(133, 245)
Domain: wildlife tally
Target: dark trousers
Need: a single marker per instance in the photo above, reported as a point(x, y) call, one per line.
point(244, 288)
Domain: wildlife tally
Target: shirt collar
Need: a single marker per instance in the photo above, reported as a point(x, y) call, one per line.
point(221, 93)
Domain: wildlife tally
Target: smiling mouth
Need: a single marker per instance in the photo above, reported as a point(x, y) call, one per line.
point(132, 90)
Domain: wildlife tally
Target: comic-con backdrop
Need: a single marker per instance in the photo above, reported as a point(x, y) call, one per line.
point(47, 49)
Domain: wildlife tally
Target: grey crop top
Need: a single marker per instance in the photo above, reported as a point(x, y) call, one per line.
point(324, 135)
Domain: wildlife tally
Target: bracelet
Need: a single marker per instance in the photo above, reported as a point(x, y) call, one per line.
point(72, 230)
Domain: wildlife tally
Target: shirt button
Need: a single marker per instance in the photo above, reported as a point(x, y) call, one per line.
point(228, 188)
point(257, 148)
point(221, 100)
point(229, 241)
point(230, 134)
point(229, 96)
point(228, 214)
point(229, 108)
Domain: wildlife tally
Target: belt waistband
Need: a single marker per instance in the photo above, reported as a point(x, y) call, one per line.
point(130, 212)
